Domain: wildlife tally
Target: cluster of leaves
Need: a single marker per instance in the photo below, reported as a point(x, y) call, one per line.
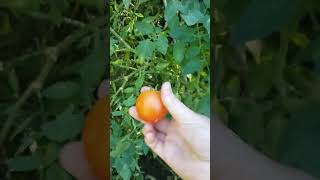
point(267, 78)
point(152, 42)
point(52, 58)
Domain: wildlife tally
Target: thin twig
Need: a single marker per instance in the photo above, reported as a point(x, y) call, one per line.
point(121, 39)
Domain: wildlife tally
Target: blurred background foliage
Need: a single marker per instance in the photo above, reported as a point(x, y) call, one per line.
point(152, 42)
point(52, 58)
point(266, 76)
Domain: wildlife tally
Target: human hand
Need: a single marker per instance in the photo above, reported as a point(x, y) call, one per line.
point(72, 156)
point(184, 142)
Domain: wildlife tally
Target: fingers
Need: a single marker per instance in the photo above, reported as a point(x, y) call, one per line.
point(161, 125)
point(155, 140)
point(133, 112)
point(73, 160)
point(177, 109)
point(145, 88)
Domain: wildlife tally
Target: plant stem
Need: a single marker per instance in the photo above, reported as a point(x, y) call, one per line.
point(121, 39)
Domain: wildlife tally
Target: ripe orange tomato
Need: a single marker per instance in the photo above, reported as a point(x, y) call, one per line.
point(150, 107)
point(95, 138)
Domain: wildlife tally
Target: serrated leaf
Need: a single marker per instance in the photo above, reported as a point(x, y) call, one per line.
point(191, 66)
point(145, 49)
point(162, 44)
point(179, 49)
point(193, 17)
point(183, 33)
point(171, 10)
point(62, 90)
point(144, 28)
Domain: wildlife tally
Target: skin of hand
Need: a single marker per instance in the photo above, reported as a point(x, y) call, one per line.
point(183, 142)
point(72, 157)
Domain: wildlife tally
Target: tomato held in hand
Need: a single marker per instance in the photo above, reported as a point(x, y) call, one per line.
point(95, 138)
point(150, 107)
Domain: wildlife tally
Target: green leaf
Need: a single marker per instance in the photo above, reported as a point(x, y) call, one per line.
point(145, 49)
point(24, 163)
point(130, 101)
point(183, 33)
point(193, 51)
point(55, 172)
point(62, 90)
point(66, 126)
point(144, 28)
point(161, 66)
point(162, 44)
point(204, 106)
point(193, 17)
point(94, 64)
point(264, 17)
point(129, 90)
point(123, 169)
point(171, 10)
point(139, 82)
point(179, 49)
point(117, 113)
point(191, 66)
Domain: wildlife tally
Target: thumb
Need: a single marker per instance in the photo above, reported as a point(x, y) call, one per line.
point(176, 108)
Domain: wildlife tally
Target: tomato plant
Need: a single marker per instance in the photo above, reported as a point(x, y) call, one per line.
point(152, 42)
point(150, 107)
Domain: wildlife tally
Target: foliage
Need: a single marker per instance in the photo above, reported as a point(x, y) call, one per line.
point(152, 42)
point(48, 48)
point(266, 76)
